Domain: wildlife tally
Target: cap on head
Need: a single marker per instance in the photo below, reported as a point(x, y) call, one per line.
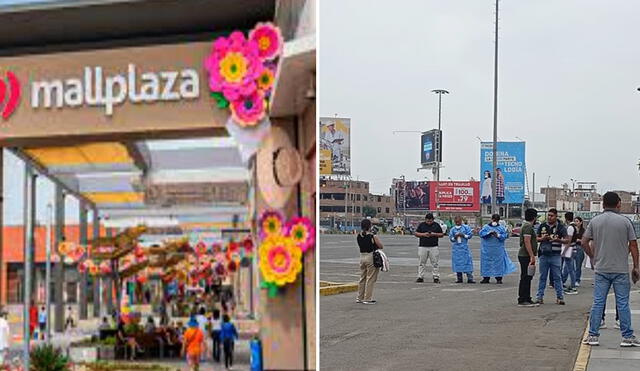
point(429, 216)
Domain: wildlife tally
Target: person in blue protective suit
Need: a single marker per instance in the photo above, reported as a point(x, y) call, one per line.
point(494, 261)
point(461, 260)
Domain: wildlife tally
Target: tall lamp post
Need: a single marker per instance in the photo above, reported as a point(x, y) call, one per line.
point(495, 119)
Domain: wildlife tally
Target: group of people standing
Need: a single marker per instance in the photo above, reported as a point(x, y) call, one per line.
point(494, 261)
point(557, 249)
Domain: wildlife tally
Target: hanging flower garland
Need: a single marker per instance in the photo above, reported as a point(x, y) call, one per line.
point(241, 72)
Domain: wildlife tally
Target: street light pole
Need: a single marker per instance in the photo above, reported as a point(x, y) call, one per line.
point(495, 119)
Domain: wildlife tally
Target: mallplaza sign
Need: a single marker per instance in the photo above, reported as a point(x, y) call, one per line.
point(108, 94)
point(95, 88)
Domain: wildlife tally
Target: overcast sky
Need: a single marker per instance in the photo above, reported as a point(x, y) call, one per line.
point(568, 76)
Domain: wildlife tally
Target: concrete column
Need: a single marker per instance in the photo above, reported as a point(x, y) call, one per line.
point(59, 267)
point(84, 276)
point(96, 280)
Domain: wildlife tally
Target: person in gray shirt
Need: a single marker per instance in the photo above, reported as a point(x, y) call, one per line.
point(607, 241)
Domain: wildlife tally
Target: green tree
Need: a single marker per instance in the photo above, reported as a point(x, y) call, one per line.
point(369, 211)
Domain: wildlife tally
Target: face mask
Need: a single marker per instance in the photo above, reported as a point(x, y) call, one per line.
point(495, 224)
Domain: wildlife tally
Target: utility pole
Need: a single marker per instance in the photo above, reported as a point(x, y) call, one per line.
point(533, 197)
point(495, 119)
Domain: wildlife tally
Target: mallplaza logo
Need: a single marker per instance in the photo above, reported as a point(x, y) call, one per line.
point(9, 94)
point(96, 89)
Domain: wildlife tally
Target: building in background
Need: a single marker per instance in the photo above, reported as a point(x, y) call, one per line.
point(354, 196)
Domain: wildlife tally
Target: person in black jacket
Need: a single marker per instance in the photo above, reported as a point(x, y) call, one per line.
point(368, 243)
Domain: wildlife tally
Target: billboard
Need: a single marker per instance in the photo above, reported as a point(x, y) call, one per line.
point(335, 146)
point(454, 196)
point(416, 197)
point(431, 147)
point(509, 175)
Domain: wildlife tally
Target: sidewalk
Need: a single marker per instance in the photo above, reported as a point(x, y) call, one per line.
point(609, 355)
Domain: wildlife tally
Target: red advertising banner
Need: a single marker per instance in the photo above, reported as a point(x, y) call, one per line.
point(454, 196)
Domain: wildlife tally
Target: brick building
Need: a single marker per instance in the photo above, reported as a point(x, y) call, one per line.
point(354, 195)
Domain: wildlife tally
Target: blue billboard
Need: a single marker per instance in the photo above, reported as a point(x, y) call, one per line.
point(510, 172)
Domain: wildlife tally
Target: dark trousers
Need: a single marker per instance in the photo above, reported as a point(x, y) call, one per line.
point(227, 345)
point(524, 289)
point(215, 334)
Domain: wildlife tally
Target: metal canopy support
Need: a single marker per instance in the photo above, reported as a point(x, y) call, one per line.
point(96, 280)
point(59, 268)
point(51, 176)
point(83, 276)
point(110, 281)
point(140, 155)
point(29, 223)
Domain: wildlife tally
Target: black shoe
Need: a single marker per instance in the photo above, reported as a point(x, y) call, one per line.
point(471, 281)
point(499, 282)
point(485, 280)
point(436, 280)
point(420, 280)
point(459, 281)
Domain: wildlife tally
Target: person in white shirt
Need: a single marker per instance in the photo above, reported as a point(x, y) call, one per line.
point(335, 139)
point(568, 256)
point(215, 335)
point(5, 336)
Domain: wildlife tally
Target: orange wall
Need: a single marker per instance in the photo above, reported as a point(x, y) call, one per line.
point(13, 241)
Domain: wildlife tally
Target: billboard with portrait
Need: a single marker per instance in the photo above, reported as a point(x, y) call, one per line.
point(335, 146)
point(510, 172)
point(412, 195)
point(431, 147)
point(454, 196)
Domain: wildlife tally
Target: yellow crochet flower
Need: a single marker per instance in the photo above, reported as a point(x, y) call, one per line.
point(280, 260)
point(233, 67)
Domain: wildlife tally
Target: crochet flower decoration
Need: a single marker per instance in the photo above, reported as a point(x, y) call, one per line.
point(280, 260)
point(268, 39)
point(271, 223)
point(249, 109)
point(233, 66)
point(302, 232)
point(241, 72)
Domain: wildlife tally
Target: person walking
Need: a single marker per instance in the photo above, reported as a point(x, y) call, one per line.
point(551, 235)
point(215, 335)
point(367, 243)
point(461, 259)
point(494, 261)
point(428, 232)
point(607, 241)
point(33, 320)
point(228, 336)
point(193, 344)
point(5, 336)
point(527, 257)
point(578, 251)
point(568, 257)
point(42, 322)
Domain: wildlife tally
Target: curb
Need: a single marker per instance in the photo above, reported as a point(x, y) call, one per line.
point(584, 352)
point(338, 289)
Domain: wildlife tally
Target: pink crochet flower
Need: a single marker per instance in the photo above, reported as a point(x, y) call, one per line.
point(250, 109)
point(233, 66)
point(302, 232)
point(268, 38)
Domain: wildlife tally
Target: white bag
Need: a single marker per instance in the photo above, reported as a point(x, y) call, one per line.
point(587, 262)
